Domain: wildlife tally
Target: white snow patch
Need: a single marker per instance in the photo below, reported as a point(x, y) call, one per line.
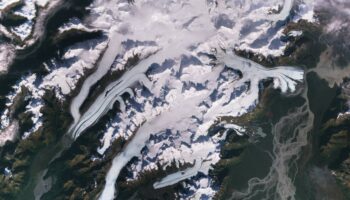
point(73, 23)
point(106, 140)
point(28, 11)
point(6, 57)
point(9, 133)
point(306, 11)
point(198, 188)
point(295, 33)
point(5, 3)
point(65, 77)
point(23, 30)
point(42, 3)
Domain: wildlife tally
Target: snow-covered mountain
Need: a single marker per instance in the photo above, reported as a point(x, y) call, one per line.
point(166, 90)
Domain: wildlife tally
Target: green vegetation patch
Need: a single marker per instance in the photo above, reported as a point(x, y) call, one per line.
point(21, 157)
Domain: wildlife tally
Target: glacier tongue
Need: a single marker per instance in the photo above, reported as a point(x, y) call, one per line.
point(181, 111)
point(104, 65)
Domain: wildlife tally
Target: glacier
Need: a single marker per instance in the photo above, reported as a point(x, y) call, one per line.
point(187, 79)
